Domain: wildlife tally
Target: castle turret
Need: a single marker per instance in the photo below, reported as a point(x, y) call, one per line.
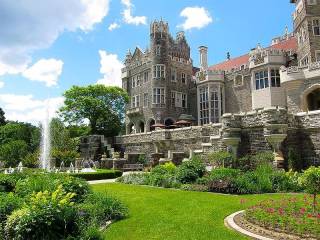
point(203, 57)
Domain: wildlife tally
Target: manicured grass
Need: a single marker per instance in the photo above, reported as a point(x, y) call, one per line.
point(168, 214)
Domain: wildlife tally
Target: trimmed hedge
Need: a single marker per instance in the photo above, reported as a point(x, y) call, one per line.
point(99, 175)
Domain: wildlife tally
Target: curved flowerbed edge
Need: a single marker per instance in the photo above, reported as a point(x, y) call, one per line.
point(230, 223)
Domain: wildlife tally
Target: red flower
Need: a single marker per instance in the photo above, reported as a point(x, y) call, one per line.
point(309, 215)
point(302, 210)
point(318, 216)
point(280, 210)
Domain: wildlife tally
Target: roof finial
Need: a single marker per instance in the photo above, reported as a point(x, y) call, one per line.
point(228, 55)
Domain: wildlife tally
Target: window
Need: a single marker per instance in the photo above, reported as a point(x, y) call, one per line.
point(184, 100)
point(318, 55)
point(242, 67)
point(204, 105)
point(145, 100)
point(316, 27)
point(214, 106)
point(262, 80)
point(159, 71)
point(173, 75)
point(238, 80)
point(146, 76)
point(135, 101)
point(275, 78)
point(158, 50)
point(158, 96)
point(183, 77)
point(304, 61)
point(138, 80)
point(179, 99)
point(133, 81)
point(173, 98)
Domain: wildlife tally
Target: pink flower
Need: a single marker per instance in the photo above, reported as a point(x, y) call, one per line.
point(302, 210)
point(280, 210)
point(270, 210)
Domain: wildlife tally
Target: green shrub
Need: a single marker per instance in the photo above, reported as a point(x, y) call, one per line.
point(92, 232)
point(285, 181)
point(190, 171)
point(221, 159)
point(170, 167)
point(163, 176)
point(142, 159)
point(7, 182)
point(134, 178)
point(49, 182)
point(222, 180)
point(258, 181)
point(99, 208)
point(99, 175)
point(46, 216)
point(8, 203)
point(245, 163)
point(13, 152)
point(262, 158)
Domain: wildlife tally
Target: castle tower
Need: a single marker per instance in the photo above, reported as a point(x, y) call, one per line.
point(306, 21)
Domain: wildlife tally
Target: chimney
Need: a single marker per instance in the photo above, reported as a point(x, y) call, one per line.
point(203, 57)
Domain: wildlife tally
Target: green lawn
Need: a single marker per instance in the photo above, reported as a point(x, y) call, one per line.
point(167, 214)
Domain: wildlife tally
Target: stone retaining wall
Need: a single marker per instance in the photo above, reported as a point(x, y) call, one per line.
point(302, 133)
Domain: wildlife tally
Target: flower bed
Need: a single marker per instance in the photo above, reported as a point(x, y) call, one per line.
point(291, 215)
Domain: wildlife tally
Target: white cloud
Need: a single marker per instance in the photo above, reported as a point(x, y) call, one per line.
point(26, 108)
point(113, 26)
point(196, 17)
point(45, 70)
point(32, 25)
point(127, 14)
point(1, 84)
point(110, 68)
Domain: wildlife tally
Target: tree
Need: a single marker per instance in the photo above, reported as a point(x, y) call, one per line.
point(221, 159)
point(21, 131)
point(2, 118)
point(103, 107)
point(13, 152)
point(310, 179)
point(63, 146)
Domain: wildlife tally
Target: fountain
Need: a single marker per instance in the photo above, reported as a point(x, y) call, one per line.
point(45, 142)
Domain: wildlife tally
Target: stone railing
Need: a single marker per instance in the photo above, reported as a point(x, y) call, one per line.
point(134, 111)
point(171, 134)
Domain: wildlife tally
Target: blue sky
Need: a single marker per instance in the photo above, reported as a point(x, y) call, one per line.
point(48, 46)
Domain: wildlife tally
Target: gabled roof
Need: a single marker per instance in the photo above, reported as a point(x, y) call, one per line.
point(137, 53)
point(290, 44)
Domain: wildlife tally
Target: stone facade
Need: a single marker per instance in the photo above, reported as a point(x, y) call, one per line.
point(268, 99)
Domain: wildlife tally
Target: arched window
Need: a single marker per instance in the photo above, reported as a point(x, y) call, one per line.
point(313, 100)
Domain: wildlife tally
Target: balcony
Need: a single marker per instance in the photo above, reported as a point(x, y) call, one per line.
point(300, 73)
point(134, 111)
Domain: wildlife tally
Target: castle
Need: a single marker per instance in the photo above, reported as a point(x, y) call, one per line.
point(267, 99)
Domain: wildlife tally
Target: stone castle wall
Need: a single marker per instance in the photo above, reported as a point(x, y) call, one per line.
point(253, 129)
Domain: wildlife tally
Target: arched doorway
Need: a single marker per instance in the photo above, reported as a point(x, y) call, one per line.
point(150, 125)
point(130, 128)
point(311, 98)
point(141, 127)
point(168, 122)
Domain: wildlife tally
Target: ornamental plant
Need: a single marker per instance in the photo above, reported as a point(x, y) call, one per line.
point(310, 179)
point(292, 215)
